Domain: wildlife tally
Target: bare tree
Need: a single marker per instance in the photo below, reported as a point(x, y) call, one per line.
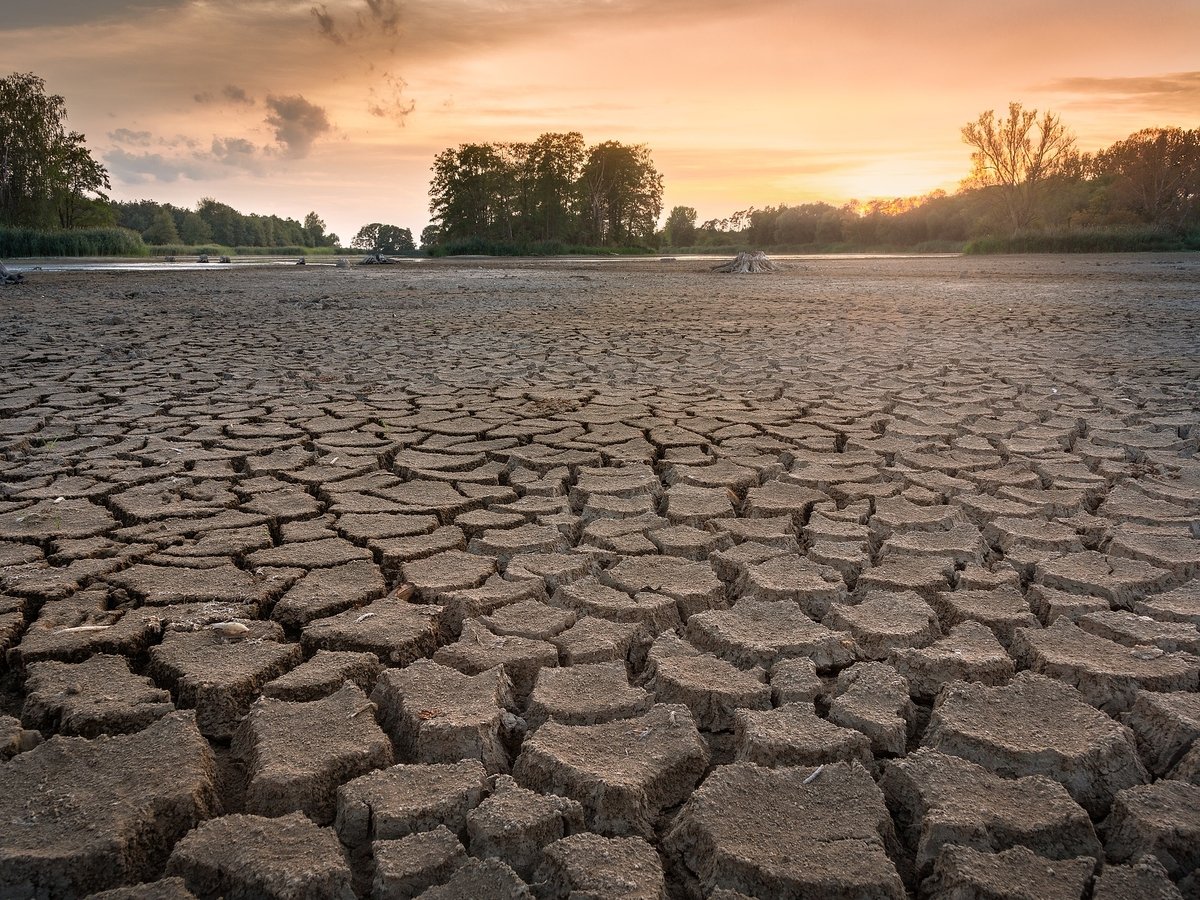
point(1016, 155)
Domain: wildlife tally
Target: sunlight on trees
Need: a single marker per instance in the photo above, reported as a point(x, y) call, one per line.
point(1018, 155)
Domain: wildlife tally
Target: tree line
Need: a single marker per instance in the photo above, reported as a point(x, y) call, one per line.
point(212, 222)
point(553, 192)
point(1029, 187)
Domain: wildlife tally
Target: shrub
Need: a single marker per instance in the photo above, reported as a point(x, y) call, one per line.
point(19, 242)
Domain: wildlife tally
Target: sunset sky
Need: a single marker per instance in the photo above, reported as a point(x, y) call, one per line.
point(282, 106)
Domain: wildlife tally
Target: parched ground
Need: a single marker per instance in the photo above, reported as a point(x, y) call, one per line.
point(868, 579)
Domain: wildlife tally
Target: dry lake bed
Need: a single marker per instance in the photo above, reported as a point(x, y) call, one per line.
point(874, 578)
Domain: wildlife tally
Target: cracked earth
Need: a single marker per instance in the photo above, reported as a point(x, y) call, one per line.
point(618, 579)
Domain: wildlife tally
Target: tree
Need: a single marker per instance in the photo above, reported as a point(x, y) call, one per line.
point(162, 230)
point(46, 172)
point(194, 229)
point(314, 232)
point(473, 192)
point(1156, 175)
point(380, 238)
point(621, 194)
point(681, 226)
point(549, 169)
point(1016, 156)
point(430, 237)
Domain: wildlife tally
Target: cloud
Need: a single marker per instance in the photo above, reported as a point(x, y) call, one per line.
point(386, 14)
point(387, 102)
point(1173, 92)
point(235, 94)
point(297, 123)
point(326, 25)
point(39, 13)
point(139, 168)
point(237, 152)
point(131, 138)
point(381, 17)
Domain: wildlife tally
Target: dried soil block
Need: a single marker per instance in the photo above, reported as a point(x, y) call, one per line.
point(1134, 630)
point(396, 631)
point(296, 754)
point(409, 865)
point(778, 498)
point(796, 681)
point(494, 594)
point(440, 574)
point(529, 619)
point(711, 688)
point(593, 640)
point(926, 576)
point(777, 832)
point(1145, 879)
point(624, 773)
point(481, 878)
point(1051, 604)
point(82, 816)
point(164, 889)
point(324, 674)
point(734, 564)
point(1108, 674)
point(970, 652)
point(505, 543)
point(884, 622)
point(409, 799)
point(225, 583)
point(72, 630)
point(812, 587)
point(478, 650)
point(938, 799)
point(697, 506)
point(436, 714)
point(514, 824)
point(1016, 874)
point(1038, 726)
point(1160, 819)
point(1179, 605)
point(586, 694)
point(794, 735)
point(873, 698)
point(588, 597)
point(589, 865)
point(761, 632)
point(1165, 725)
point(97, 696)
point(1003, 610)
point(692, 585)
point(1120, 581)
point(218, 678)
point(47, 519)
point(327, 592)
point(242, 857)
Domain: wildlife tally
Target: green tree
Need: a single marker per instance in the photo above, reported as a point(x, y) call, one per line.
point(681, 226)
point(314, 232)
point(621, 194)
point(431, 236)
point(162, 230)
point(380, 238)
point(1016, 156)
point(1156, 175)
point(47, 174)
point(194, 229)
point(473, 192)
point(549, 170)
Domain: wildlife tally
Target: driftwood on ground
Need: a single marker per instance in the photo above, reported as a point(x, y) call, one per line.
point(377, 259)
point(10, 277)
point(748, 264)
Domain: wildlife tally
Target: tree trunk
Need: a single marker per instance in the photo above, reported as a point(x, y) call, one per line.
point(748, 264)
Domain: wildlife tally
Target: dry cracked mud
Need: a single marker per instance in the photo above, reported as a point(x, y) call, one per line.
point(602, 578)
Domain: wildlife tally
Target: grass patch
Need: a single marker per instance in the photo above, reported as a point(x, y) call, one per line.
point(23, 242)
point(485, 247)
point(1110, 239)
point(219, 250)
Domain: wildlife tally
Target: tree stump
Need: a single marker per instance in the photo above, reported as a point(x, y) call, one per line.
point(7, 277)
point(747, 263)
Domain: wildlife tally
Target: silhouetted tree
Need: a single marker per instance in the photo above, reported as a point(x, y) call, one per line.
point(621, 192)
point(380, 238)
point(1017, 155)
point(680, 228)
point(1156, 175)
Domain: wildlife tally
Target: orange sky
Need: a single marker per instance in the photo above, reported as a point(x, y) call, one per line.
point(280, 106)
